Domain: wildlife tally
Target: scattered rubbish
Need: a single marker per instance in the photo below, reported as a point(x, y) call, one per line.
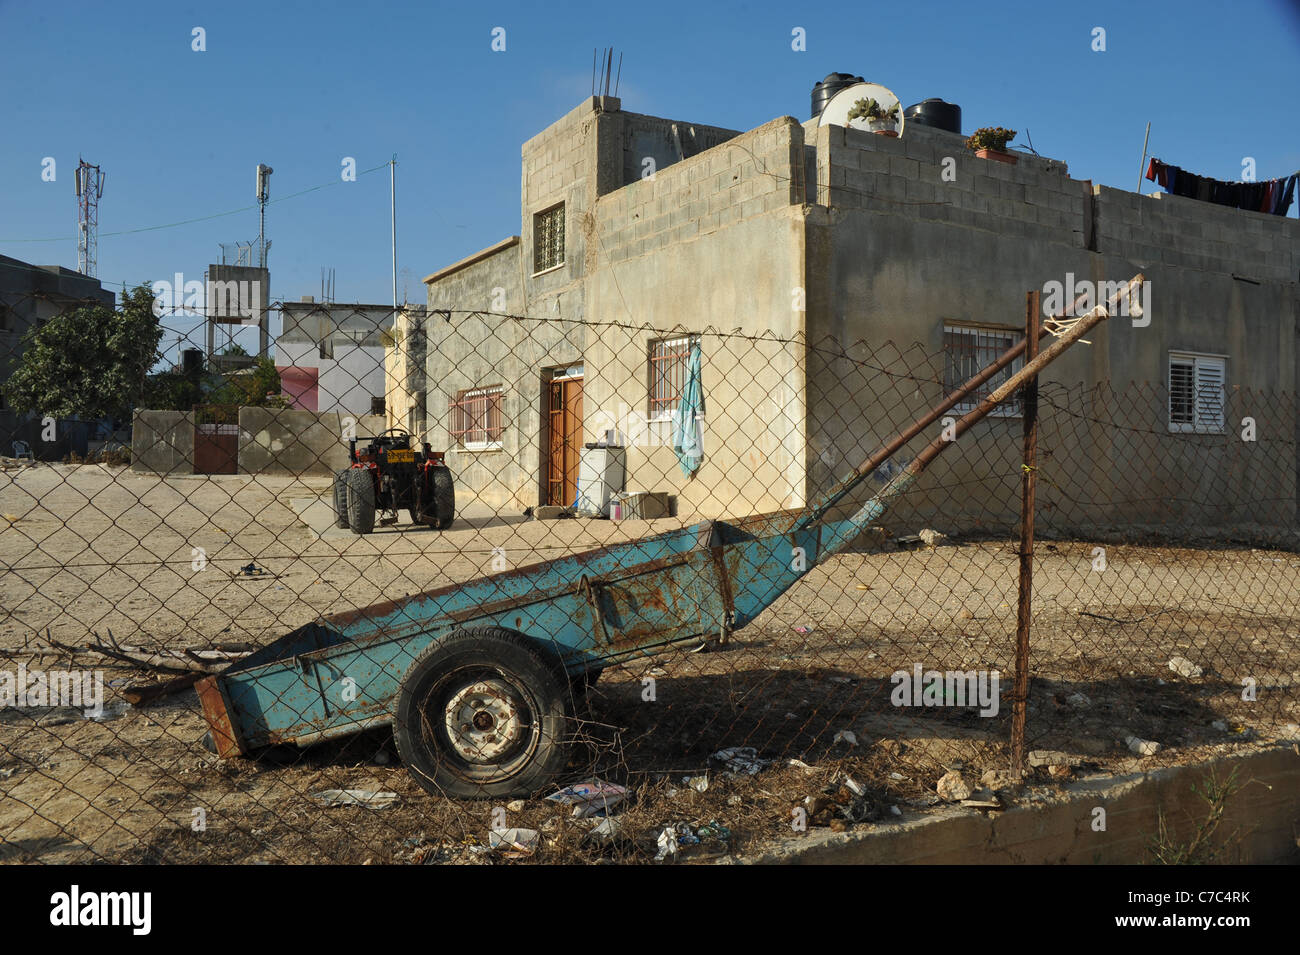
point(932, 538)
point(847, 736)
point(514, 843)
point(110, 711)
point(864, 586)
point(356, 797)
point(800, 764)
point(952, 787)
point(897, 776)
point(698, 783)
point(1059, 771)
point(741, 760)
point(803, 628)
point(733, 800)
point(605, 832)
point(983, 800)
point(1078, 701)
point(996, 779)
point(1142, 747)
point(1185, 667)
point(516, 805)
point(6, 773)
point(593, 797)
point(1219, 725)
point(895, 810)
point(1050, 757)
point(670, 792)
point(667, 843)
point(714, 830)
point(251, 569)
point(843, 806)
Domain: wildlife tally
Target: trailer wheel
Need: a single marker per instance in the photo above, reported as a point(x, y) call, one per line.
point(341, 498)
point(361, 500)
point(444, 498)
point(481, 714)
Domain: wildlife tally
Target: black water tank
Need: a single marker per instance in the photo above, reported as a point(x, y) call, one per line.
point(825, 89)
point(192, 361)
point(936, 113)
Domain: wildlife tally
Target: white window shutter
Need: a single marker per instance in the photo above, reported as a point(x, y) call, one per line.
point(1210, 377)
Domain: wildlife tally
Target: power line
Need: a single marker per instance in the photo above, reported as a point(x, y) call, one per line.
point(217, 215)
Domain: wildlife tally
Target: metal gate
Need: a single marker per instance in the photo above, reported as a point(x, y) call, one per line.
point(216, 439)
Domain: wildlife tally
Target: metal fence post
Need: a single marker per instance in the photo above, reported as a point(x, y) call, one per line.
point(1028, 476)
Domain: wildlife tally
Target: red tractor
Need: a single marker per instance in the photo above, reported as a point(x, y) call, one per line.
point(387, 474)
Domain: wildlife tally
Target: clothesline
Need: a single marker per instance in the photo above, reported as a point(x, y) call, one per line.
point(1271, 195)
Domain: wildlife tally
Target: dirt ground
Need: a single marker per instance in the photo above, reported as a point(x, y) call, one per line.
point(89, 549)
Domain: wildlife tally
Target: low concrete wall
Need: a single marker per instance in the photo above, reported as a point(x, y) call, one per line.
point(291, 441)
point(162, 442)
point(1264, 814)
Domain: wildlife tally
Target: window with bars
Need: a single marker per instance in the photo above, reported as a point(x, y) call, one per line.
point(548, 239)
point(1196, 392)
point(668, 368)
point(476, 421)
point(967, 352)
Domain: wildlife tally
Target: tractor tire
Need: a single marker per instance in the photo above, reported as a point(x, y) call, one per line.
point(361, 500)
point(482, 714)
point(341, 499)
point(444, 499)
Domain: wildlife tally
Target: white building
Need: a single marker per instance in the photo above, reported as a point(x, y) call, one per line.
point(331, 355)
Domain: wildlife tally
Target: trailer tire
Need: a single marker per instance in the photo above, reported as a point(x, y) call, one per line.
point(341, 499)
point(444, 498)
point(361, 500)
point(511, 704)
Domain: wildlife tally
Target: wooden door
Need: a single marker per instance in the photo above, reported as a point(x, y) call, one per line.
point(564, 429)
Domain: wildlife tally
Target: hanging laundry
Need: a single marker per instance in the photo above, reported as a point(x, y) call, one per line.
point(1272, 196)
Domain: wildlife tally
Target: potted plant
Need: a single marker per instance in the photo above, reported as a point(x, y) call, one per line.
point(990, 142)
point(880, 118)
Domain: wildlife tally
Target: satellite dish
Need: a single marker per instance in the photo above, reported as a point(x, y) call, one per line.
point(841, 104)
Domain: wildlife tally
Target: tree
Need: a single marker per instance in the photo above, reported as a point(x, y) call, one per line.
point(256, 387)
point(89, 362)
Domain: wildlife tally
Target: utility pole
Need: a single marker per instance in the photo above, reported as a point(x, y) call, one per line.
point(392, 201)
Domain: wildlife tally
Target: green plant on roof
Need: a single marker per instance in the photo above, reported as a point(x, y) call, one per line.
point(869, 109)
point(990, 137)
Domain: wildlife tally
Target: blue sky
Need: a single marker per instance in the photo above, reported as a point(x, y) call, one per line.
point(301, 85)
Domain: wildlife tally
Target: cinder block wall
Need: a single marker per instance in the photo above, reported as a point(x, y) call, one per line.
point(292, 441)
point(902, 249)
point(162, 442)
point(713, 245)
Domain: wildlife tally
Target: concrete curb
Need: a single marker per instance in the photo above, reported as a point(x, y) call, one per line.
point(1265, 814)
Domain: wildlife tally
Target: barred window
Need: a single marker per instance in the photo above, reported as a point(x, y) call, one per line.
point(668, 369)
point(1196, 392)
point(476, 418)
point(548, 238)
point(967, 352)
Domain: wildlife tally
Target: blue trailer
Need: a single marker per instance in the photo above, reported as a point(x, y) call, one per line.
point(479, 680)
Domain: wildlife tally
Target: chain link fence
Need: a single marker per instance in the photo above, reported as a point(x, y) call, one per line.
point(247, 623)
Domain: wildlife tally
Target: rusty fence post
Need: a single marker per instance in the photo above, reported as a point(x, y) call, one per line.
point(1028, 480)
